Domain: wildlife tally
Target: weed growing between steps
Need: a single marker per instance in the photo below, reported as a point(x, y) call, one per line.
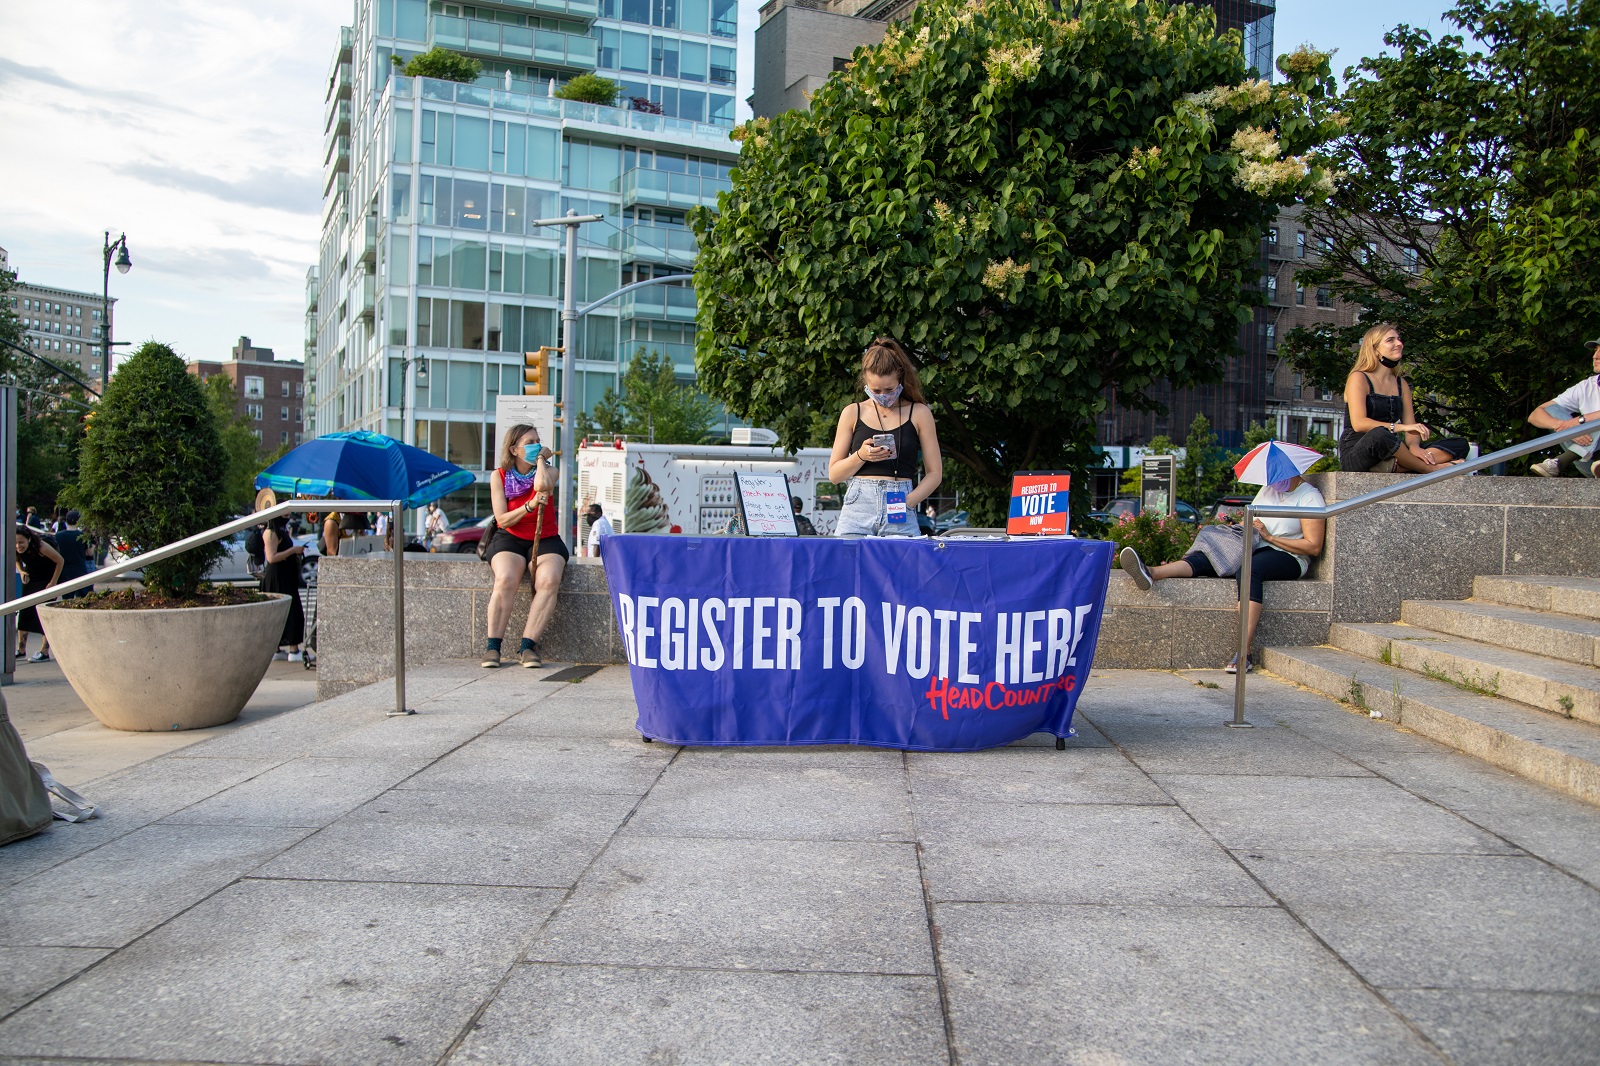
point(1476, 684)
point(1565, 703)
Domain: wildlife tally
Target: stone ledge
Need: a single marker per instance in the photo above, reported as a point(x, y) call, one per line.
point(1307, 594)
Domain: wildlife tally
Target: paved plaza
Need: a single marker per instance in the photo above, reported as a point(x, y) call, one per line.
point(512, 876)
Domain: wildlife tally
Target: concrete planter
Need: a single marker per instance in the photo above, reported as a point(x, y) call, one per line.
point(185, 668)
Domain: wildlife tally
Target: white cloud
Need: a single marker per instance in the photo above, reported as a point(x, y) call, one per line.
point(194, 127)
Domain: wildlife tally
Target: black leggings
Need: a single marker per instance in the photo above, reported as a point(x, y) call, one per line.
point(1266, 564)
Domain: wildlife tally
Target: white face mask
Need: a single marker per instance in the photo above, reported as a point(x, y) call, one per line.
point(887, 399)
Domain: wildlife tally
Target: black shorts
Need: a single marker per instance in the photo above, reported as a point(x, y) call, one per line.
point(505, 542)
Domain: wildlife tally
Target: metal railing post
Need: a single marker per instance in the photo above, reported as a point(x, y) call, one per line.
point(397, 545)
point(1243, 662)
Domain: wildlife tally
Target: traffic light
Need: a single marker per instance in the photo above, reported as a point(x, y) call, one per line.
point(536, 371)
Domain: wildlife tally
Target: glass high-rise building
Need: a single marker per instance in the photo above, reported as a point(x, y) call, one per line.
point(427, 260)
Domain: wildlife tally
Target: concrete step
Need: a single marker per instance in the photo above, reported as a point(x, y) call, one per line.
point(1569, 595)
point(1558, 636)
point(1556, 752)
point(1563, 688)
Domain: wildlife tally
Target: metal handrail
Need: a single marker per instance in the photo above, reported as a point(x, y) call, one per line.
point(1354, 503)
point(227, 529)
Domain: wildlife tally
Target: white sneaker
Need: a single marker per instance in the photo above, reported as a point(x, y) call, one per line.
point(280, 656)
point(296, 657)
point(1134, 567)
point(1547, 468)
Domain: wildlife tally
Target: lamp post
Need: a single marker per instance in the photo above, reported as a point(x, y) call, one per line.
point(409, 380)
point(123, 264)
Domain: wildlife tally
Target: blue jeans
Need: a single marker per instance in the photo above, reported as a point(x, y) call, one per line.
point(864, 513)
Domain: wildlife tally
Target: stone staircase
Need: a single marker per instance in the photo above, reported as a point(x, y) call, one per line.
point(1509, 676)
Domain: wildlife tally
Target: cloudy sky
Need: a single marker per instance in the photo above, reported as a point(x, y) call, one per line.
point(195, 126)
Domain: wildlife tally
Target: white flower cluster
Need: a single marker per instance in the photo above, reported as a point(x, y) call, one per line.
point(1013, 63)
point(1246, 94)
point(997, 277)
point(1258, 144)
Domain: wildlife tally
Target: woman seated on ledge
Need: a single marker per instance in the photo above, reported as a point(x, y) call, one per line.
point(1286, 556)
point(1381, 431)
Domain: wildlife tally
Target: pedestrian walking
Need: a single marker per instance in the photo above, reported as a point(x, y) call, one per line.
point(39, 566)
point(433, 524)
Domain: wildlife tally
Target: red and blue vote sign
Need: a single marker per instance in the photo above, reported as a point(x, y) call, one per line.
point(914, 643)
point(1039, 503)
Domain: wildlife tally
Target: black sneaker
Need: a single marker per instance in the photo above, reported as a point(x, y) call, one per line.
point(1134, 567)
point(491, 659)
point(530, 658)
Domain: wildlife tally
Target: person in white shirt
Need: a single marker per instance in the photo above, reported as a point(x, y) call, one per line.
point(599, 527)
point(1290, 545)
point(1581, 403)
point(433, 524)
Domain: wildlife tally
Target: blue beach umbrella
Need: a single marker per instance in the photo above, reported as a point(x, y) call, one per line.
point(363, 466)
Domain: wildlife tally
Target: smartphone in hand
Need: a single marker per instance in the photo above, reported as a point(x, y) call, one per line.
point(886, 440)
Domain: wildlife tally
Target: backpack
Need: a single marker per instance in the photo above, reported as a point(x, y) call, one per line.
point(255, 546)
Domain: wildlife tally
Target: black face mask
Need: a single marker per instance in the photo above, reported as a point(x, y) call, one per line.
point(1390, 363)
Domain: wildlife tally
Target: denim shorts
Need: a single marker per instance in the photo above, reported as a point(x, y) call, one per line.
point(863, 514)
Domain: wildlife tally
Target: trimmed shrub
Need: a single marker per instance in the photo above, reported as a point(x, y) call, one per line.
point(1157, 540)
point(590, 89)
point(152, 467)
point(443, 64)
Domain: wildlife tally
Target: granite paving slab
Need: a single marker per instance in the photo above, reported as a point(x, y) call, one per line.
point(1506, 1028)
point(1470, 922)
point(117, 892)
point(127, 801)
point(1094, 986)
point(567, 764)
point(603, 1015)
point(306, 792)
point(26, 973)
point(1343, 814)
point(286, 971)
point(1179, 743)
point(576, 714)
point(1076, 853)
point(1091, 774)
point(417, 736)
point(463, 838)
point(746, 904)
point(777, 800)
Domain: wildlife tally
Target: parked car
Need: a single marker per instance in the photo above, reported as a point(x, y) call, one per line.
point(1130, 505)
point(460, 538)
point(948, 520)
point(463, 523)
point(1228, 509)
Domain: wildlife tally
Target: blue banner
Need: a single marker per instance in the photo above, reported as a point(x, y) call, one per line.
point(928, 645)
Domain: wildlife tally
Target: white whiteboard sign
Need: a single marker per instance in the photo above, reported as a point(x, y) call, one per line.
point(764, 505)
point(536, 411)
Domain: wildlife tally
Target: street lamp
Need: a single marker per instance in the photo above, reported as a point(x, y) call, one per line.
point(408, 393)
point(124, 264)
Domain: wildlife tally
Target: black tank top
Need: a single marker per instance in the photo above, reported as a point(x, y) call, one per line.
point(904, 464)
point(1381, 407)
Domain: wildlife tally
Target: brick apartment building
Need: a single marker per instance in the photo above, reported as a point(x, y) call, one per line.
point(64, 326)
point(271, 392)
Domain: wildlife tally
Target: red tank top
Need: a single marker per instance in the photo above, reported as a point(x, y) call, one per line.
point(523, 488)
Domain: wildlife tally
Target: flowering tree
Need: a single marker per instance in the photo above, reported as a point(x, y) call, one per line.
point(1039, 205)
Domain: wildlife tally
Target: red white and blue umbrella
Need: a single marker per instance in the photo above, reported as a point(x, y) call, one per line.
point(1274, 461)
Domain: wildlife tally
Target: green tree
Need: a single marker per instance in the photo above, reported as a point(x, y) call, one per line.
point(239, 444)
point(1207, 468)
point(1041, 204)
point(443, 64)
point(152, 467)
point(653, 406)
point(10, 323)
point(590, 89)
point(1482, 168)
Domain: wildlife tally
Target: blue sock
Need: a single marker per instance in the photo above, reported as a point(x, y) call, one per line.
point(494, 643)
point(527, 645)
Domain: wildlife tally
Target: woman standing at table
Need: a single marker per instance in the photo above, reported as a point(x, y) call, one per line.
point(875, 448)
point(527, 541)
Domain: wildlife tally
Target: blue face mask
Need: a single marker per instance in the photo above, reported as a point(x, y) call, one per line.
point(530, 452)
point(887, 399)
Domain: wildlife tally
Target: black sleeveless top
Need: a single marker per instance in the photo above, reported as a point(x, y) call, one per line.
point(1381, 407)
point(907, 445)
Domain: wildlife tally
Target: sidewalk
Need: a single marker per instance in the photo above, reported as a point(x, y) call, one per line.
point(511, 876)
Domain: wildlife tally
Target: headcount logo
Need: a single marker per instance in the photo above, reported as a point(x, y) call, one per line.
point(977, 662)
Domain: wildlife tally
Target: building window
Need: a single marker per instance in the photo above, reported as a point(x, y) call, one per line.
point(1300, 244)
point(1297, 381)
point(255, 413)
point(1408, 258)
point(255, 388)
point(1272, 376)
point(1370, 253)
point(257, 432)
point(297, 417)
point(1299, 293)
point(283, 437)
point(299, 389)
point(1272, 236)
point(283, 414)
point(1272, 288)
point(1272, 337)
point(1324, 297)
point(1325, 245)
point(285, 385)
point(1322, 428)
